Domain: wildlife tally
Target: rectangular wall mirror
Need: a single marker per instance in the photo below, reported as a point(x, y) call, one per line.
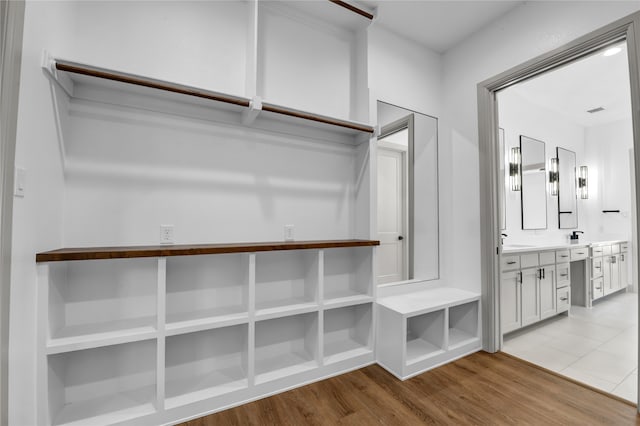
point(567, 202)
point(407, 168)
point(533, 195)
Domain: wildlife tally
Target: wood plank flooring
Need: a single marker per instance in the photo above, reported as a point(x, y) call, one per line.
point(481, 389)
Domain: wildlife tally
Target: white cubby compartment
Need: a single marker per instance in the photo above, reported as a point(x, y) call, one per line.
point(440, 325)
point(205, 364)
point(463, 324)
point(425, 336)
point(347, 332)
point(207, 289)
point(285, 346)
point(96, 299)
point(347, 274)
point(102, 385)
point(286, 280)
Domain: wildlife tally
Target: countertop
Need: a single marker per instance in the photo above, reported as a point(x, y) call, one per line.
point(524, 248)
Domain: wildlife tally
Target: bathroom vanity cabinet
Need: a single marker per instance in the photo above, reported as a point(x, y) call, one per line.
point(537, 284)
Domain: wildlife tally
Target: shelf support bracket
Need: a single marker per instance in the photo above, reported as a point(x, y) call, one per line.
point(48, 63)
point(249, 115)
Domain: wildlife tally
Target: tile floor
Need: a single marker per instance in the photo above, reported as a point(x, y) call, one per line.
point(596, 346)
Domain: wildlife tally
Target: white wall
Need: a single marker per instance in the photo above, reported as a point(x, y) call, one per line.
point(608, 157)
point(526, 32)
point(518, 116)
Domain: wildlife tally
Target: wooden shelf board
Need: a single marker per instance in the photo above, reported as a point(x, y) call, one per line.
point(68, 74)
point(89, 336)
point(93, 253)
point(74, 69)
point(109, 409)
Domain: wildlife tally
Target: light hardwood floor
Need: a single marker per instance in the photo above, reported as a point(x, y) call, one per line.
point(481, 389)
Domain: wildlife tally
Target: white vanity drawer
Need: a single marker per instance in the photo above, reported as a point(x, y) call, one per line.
point(528, 260)
point(606, 250)
point(579, 253)
point(624, 247)
point(562, 256)
point(508, 263)
point(615, 249)
point(563, 271)
point(596, 267)
point(563, 300)
point(547, 258)
point(597, 251)
point(598, 287)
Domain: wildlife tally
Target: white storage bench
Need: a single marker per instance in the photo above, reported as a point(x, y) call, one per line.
point(422, 330)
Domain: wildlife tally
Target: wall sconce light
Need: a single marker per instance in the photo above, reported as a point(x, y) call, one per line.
point(554, 177)
point(515, 169)
point(583, 182)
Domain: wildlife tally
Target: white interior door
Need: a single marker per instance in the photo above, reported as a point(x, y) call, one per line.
point(391, 214)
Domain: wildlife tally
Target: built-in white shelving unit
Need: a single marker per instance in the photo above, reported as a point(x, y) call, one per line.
point(160, 334)
point(215, 325)
point(421, 330)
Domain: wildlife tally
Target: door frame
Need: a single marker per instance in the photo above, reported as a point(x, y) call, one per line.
point(627, 28)
point(11, 30)
point(406, 122)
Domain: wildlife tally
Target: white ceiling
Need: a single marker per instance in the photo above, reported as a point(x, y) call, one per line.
point(595, 81)
point(438, 25)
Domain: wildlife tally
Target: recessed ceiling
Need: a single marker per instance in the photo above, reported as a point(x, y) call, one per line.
point(594, 82)
point(438, 25)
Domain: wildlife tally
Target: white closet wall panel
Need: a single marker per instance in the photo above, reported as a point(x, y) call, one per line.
point(202, 44)
point(305, 64)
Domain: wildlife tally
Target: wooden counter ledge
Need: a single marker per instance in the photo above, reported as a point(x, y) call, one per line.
point(91, 253)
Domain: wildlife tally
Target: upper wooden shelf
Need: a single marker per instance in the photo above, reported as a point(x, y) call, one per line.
point(69, 74)
point(93, 253)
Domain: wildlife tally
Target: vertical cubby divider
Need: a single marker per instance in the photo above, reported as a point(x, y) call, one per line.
point(161, 346)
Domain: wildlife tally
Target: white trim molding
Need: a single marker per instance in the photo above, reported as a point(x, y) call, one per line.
point(11, 28)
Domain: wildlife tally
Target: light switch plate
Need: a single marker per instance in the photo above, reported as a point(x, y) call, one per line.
point(20, 182)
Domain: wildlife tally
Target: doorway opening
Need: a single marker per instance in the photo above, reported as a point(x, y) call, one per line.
point(567, 304)
point(527, 254)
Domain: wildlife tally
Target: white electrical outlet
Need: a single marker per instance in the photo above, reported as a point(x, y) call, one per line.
point(288, 232)
point(166, 234)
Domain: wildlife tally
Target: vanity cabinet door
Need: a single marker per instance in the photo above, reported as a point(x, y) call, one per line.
point(548, 296)
point(624, 271)
point(530, 296)
point(606, 275)
point(510, 301)
point(615, 272)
